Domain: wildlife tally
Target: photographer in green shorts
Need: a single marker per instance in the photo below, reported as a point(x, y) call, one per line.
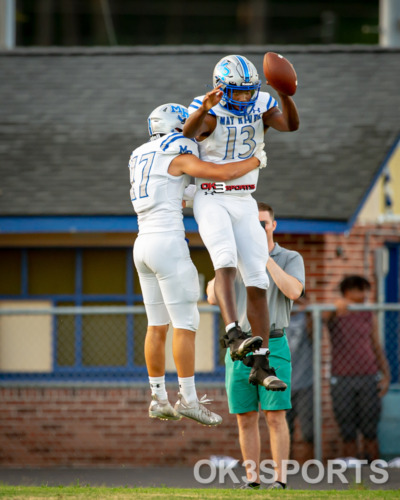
point(286, 273)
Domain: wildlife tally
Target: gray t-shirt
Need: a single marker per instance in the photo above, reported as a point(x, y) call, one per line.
point(302, 352)
point(278, 304)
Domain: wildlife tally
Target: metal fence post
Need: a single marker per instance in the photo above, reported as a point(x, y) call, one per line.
point(317, 330)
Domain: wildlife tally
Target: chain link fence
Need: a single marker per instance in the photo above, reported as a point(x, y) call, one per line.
point(336, 366)
point(350, 352)
point(90, 343)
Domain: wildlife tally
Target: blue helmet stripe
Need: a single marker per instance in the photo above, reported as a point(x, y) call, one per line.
point(245, 69)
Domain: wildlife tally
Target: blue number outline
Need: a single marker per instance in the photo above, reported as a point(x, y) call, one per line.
point(248, 141)
point(148, 160)
point(145, 173)
point(230, 143)
point(251, 132)
point(132, 168)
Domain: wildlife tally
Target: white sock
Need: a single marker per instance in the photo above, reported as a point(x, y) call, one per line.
point(187, 388)
point(262, 350)
point(228, 327)
point(157, 385)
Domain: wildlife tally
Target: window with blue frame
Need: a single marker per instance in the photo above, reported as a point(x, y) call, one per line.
point(86, 344)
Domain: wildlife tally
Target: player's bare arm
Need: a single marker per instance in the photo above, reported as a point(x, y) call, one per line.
point(285, 120)
point(200, 124)
point(287, 284)
point(210, 292)
point(191, 165)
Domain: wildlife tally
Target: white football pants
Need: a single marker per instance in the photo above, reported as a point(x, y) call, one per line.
point(168, 278)
point(232, 233)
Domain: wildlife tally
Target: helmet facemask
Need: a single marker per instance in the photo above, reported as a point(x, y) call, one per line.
point(240, 107)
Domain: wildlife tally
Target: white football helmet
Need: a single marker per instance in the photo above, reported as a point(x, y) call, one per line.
point(167, 118)
point(237, 73)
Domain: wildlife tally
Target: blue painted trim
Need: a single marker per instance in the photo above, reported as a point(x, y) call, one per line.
point(64, 224)
point(374, 180)
point(128, 224)
point(392, 319)
point(310, 226)
point(128, 299)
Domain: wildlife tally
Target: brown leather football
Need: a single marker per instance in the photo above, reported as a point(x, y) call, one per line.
point(280, 73)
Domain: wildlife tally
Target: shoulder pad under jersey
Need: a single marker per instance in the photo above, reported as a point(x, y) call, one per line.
point(265, 102)
point(176, 143)
point(196, 103)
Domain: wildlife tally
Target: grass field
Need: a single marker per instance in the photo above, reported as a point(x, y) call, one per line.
point(86, 492)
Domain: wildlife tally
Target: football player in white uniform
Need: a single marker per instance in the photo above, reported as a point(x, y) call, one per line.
point(160, 170)
point(229, 123)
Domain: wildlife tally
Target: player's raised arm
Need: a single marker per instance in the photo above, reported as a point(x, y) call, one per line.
point(191, 165)
point(200, 123)
point(286, 120)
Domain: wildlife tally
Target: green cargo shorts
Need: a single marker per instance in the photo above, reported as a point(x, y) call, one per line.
point(244, 397)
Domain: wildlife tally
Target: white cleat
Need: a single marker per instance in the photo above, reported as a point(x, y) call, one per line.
point(162, 409)
point(197, 411)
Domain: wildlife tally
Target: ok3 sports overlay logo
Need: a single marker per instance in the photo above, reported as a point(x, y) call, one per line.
point(221, 187)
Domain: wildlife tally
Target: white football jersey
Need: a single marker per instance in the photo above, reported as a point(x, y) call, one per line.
point(234, 138)
point(157, 195)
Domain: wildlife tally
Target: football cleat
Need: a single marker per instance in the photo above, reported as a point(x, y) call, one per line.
point(276, 486)
point(240, 348)
point(239, 343)
point(262, 374)
point(162, 409)
point(197, 411)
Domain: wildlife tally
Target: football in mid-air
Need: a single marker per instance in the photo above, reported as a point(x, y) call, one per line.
point(280, 73)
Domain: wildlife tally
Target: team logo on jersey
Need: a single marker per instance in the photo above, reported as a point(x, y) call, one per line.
point(184, 150)
point(221, 187)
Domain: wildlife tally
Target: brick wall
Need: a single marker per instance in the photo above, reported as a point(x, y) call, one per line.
point(104, 426)
point(329, 257)
point(86, 427)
